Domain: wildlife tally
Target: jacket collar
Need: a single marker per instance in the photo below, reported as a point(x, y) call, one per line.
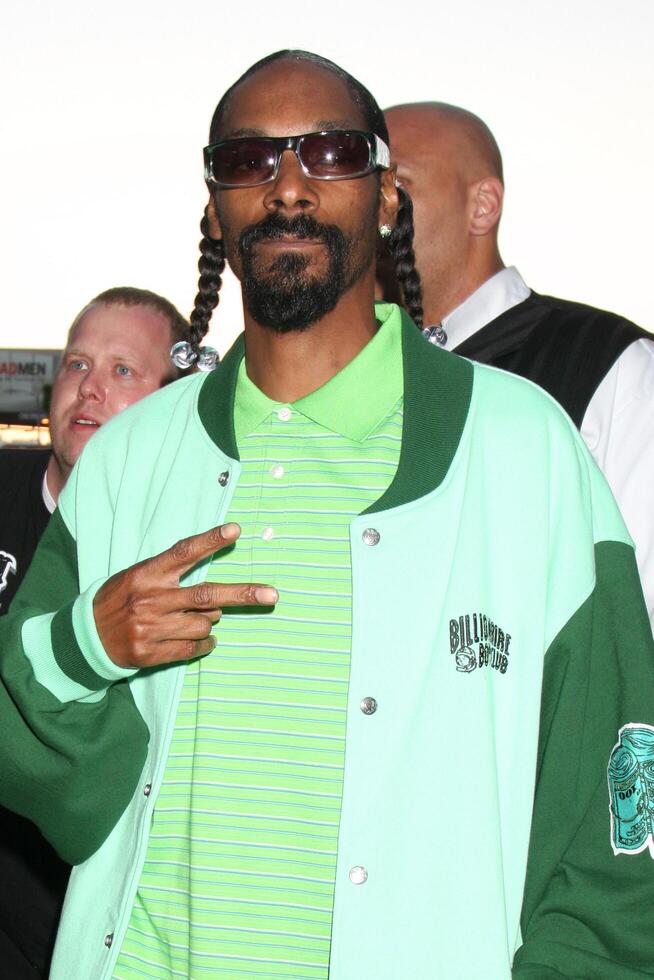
point(437, 393)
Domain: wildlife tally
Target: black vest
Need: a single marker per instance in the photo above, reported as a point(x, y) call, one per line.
point(566, 348)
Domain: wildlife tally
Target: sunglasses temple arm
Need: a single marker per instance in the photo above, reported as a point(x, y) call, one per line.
point(382, 153)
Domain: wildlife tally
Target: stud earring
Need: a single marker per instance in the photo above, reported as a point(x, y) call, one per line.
point(385, 231)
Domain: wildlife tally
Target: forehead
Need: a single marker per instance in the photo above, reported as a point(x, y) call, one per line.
point(115, 330)
point(426, 150)
point(288, 98)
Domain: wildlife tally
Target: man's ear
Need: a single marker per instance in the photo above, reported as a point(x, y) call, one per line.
point(389, 201)
point(215, 231)
point(487, 199)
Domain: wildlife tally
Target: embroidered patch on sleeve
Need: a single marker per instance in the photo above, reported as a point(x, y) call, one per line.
point(631, 790)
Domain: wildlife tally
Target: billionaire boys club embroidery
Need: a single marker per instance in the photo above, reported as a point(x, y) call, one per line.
point(631, 790)
point(476, 641)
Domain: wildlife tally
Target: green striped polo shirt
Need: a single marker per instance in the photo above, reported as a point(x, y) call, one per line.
point(240, 870)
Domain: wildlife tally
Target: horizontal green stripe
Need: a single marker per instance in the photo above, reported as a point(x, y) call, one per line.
point(245, 832)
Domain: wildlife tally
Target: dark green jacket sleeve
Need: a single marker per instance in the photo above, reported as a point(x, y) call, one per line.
point(70, 767)
point(588, 912)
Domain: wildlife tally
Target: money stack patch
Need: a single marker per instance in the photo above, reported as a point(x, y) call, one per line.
point(631, 790)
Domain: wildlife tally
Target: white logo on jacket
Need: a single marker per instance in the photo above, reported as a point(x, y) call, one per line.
point(7, 565)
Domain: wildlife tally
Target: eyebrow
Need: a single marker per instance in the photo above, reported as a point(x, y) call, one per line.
point(323, 125)
point(243, 133)
point(328, 124)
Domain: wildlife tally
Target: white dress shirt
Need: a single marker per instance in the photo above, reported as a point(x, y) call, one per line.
point(48, 499)
point(618, 426)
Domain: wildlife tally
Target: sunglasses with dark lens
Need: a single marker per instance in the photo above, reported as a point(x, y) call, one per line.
point(254, 160)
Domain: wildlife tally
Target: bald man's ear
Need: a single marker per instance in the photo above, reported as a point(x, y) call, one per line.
point(388, 198)
point(487, 199)
point(215, 230)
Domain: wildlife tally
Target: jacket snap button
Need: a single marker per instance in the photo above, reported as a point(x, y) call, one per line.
point(223, 479)
point(108, 939)
point(371, 536)
point(358, 875)
point(147, 789)
point(368, 706)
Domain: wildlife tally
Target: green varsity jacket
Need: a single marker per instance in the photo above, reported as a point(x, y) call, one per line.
point(501, 797)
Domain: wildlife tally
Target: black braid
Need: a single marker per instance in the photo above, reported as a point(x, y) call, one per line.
point(211, 265)
point(400, 246)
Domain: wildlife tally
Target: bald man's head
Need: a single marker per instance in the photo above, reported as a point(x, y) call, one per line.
point(449, 162)
point(432, 124)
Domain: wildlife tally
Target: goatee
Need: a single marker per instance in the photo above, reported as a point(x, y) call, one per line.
point(286, 296)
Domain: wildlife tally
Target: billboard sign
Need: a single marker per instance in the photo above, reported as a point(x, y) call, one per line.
point(26, 378)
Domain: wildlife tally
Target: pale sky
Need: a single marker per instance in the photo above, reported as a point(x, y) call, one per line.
point(106, 107)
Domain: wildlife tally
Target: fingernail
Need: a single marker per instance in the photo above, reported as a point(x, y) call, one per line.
point(230, 530)
point(266, 595)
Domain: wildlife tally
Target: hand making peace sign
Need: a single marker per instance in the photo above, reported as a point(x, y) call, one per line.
point(144, 617)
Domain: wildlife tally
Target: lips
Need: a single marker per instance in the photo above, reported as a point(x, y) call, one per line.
point(291, 241)
point(300, 231)
point(83, 420)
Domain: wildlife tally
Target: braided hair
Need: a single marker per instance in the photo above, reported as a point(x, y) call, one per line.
point(400, 243)
point(211, 265)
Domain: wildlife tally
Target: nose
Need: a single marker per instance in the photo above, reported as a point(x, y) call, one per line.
point(291, 191)
point(92, 386)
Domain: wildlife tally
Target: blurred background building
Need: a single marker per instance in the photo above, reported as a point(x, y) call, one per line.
point(26, 379)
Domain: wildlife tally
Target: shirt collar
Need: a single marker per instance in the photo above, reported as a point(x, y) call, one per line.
point(48, 499)
point(432, 427)
point(497, 295)
point(353, 402)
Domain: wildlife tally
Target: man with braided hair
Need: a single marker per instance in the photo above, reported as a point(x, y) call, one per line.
point(356, 779)
point(117, 351)
point(598, 366)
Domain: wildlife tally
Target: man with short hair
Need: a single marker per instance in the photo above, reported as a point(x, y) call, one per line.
point(117, 351)
point(598, 366)
point(409, 561)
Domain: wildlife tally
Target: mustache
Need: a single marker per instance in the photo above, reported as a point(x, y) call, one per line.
point(274, 227)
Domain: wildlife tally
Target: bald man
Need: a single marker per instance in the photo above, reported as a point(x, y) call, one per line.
point(598, 366)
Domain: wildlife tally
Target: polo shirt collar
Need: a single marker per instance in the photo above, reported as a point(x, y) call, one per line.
point(437, 397)
point(353, 402)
